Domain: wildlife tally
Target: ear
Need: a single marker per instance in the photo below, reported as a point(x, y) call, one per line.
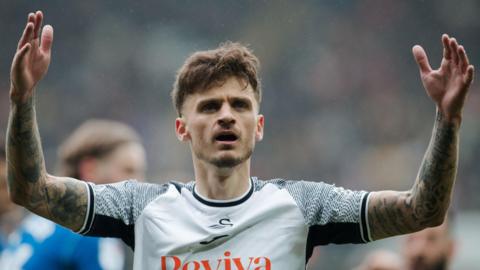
point(259, 129)
point(181, 129)
point(87, 168)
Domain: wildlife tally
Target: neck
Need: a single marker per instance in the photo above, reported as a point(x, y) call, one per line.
point(221, 183)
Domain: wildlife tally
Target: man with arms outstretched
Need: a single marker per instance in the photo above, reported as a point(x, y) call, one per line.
point(227, 219)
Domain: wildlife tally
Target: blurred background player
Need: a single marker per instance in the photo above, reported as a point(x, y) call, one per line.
point(100, 151)
point(381, 259)
point(9, 214)
point(430, 249)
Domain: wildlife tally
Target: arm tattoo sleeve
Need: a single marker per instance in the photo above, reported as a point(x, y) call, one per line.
point(392, 213)
point(62, 200)
point(25, 164)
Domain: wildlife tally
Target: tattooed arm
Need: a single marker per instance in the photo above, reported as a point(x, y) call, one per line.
point(426, 203)
point(60, 199)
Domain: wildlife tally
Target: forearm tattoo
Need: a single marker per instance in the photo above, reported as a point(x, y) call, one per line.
point(25, 164)
point(392, 213)
point(62, 200)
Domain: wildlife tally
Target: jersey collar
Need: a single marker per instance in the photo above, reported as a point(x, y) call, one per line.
point(224, 203)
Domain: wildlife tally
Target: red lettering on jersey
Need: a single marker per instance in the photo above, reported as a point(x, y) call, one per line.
point(228, 265)
point(176, 262)
point(267, 264)
point(196, 265)
point(206, 265)
point(260, 263)
point(238, 263)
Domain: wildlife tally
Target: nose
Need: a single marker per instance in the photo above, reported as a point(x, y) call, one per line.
point(226, 117)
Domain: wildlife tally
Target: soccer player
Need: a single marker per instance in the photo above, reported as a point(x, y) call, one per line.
point(101, 151)
point(430, 249)
point(227, 219)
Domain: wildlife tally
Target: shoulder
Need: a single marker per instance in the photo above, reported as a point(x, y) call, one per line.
point(134, 187)
point(290, 185)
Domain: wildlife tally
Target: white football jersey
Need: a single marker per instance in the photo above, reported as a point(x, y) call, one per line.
point(275, 225)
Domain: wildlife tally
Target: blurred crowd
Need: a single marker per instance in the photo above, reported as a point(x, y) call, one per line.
point(342, 97)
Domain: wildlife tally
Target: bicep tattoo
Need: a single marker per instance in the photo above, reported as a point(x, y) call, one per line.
point(66, 200)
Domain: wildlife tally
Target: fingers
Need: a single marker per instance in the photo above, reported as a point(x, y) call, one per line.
point(470, 71)
point(26, 36)
point(455, 52)
point(20, 55)
point(38, 23)
point(447, 53)
point(462, 59)
point(421, 59)
point(31, 17)
point(454, 48)
point(32, 29)
point(47, 39)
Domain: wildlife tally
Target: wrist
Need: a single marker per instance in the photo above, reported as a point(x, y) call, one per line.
point(453, 120)
point(20, 97)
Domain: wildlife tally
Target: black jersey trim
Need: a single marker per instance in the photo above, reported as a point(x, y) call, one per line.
point(90, 211)
point(332, 233)
point(177, 186)
point(364, 219)
point(106, 226)
point(225, 204)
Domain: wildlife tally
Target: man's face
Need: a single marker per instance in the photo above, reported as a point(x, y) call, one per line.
point(222, 124)
point(125, 162)
point(431, 248)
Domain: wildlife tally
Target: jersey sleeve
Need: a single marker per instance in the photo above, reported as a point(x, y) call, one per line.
point(114, 208)
point(333, 214)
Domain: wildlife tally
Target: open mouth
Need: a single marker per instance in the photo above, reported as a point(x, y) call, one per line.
point(226, 137)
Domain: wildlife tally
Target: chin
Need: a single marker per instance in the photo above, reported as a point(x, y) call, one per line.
point(229, 160)
point(226, 161)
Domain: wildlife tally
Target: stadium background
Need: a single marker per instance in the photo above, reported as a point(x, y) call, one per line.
point(342, 96)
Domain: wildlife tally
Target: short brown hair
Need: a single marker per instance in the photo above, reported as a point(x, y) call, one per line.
point(205, 69)
point(93, 139)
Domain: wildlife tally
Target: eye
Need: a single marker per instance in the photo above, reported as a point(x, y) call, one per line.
point(241, 104)
point(209, 107)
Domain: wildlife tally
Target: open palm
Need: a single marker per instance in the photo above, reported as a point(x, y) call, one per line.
point(32, 57)
point(448, 85)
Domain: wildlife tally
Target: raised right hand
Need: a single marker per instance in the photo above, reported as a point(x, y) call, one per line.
point(31, 59)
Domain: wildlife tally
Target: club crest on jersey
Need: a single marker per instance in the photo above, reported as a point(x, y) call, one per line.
point(222, 263)
point(222, 223)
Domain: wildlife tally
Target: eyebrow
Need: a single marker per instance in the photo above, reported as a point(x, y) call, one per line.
point(220, 100)
point(208, 100)
point(246, 100)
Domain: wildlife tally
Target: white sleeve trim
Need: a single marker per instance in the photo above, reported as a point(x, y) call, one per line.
point(82, 230)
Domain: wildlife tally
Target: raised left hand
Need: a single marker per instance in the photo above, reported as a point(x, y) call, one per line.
point(448, 85)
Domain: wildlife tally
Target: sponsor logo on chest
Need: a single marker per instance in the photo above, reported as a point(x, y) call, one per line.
point(227, 262)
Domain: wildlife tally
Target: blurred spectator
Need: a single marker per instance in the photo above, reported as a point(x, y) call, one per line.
point(9, 217)
point(430, 249)
point(100, 151)
point(381, 260)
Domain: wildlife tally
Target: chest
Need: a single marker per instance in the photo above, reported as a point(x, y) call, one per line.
point(265, 230)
